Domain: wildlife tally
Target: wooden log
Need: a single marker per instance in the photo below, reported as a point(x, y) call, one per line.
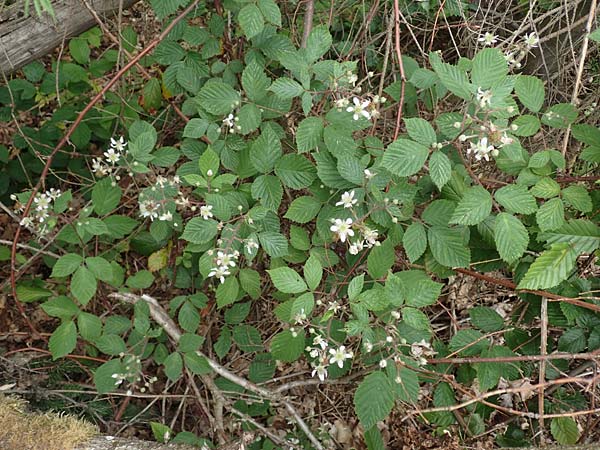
point(25, 39)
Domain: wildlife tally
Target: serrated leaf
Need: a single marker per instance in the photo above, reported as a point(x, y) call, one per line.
point(564, 430)
point(420, 131)
point(66, 265)
point(381, 258)
point(275, 244)
point(227, 292)
point(63, 340)
point(583, 235)
point(199, 231)
point(374, 399)
point(486, 319)
point(251, 20)
point(517, 199)
point(414, 241)
point(415, 318)
point(489, 68)
point(447, 247)
point(473, 208)
point(286, 88)
point(440, 169)
point(309, 134)
point(265, 151)
point(453, 78)
point(560, 115)
point(268, 189)
point(404, 157)
point(511, 237)
point(287, 280)
point(83, 285)
point(287, 347)
point(318, 43)
point(217, 97)
point(577, 197)
point(195, 128)
point(313, 272)
point(550, 268)
point(530, 91)
point(105, 196)
point(295, 171)
point(551, 215)
point(270, 11)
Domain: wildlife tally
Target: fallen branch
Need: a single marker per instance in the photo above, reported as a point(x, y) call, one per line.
point(161, 317)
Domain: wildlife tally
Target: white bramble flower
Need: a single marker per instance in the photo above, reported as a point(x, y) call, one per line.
point(352, 78)
point(149, 209)
point(356, 247)
point(220, 273)
point(342, 103)
point(368, 174)
point(251, 245)
point(484, 97)
point(343, 228)
point(205, 211)
point(42, 202)
point(347, 200)
point(112, 156)
point(339, 356)
point(53, 193)
point(166, 216)
point(481, 150)
point(383, 363)
point(359, 108)
point(531, 40)
point(118, 145)
point(318, 340)
point(226, 259)
point(320, 371)
point(370, 236)
point(488, 39)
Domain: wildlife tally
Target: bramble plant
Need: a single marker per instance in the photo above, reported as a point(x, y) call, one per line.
point(281, 197)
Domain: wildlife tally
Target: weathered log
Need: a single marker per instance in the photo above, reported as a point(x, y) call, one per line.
point(25, 39)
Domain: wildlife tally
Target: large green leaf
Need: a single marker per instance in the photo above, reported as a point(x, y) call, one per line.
point(453, 78)
point(199, 231)
point(265, 151)
point(217, 97)
point(309, 134)
point(440, 169)
point(420, 131)
point(295, 171)
point(404, 157)
point(583, 235)
point(530, 91)
point(551, 215)
point(251, 20)
point(66, 265)
point(83, 285)
point(565, 430)
point(105, 196)
point(489, 68)
point(268, 189)
point(288, 347)
point(550, 268)
point(63, 340)
point(511, 237)
point(448, 247)
point(303, 209)
point(287, 280)
point(414, 241)
point(374, 399)
point(473, 208)
point(517, 199)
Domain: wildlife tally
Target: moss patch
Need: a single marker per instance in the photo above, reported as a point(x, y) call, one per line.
point(21, 430)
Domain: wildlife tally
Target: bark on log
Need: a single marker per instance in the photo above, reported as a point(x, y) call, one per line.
point(112, 443)
point(25, 39)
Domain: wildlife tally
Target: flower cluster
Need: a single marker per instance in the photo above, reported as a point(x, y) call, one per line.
point(223, 263)
point(489, 139)
point(40, 211)
point(157, 201)
point(345, 228)
point(112, 156)
point(325, 356)
point(133, 375)
point(230, 124)
point(420, 350)
point(361, 108)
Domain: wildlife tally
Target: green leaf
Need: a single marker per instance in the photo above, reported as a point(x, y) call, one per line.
point(414, 241)
point(62, 307)
point(83, 285)
point(511, 237)
point(551, 268)
point(152, 94)
point(517, 199)
point(415, 318)
point(286, 88)
point(440, 169)
point(250, 282)
point(199, 231)
point(227, 292)
point(468, 342)
point(209, 160)
point(111, 344)
point(564, 430)
point(313, 272)
point(270, 11)
point(66, 265)
point(420, 131)
point(89, 325)
point(237, 313)
point(530, 92)
point(473, 208)
point(374, 399)
point(251, 20)
point(195, 128)
point(577, 197)
point(526, 125)
point(268, 189)
point(163, 8)
point(355, 287)
point(275, 244)
point(247, 338)
point(545, 188)
point(415, 287)
point(173, 366)
point(404, 157)
point(142, 279)
point(287, 347)
point(80, 50)
point(188, 317)
point(217, 97)
point(100, 267)
point(551, 215)
point(255, 81)
point(27, 293)
point(572, 340)
point(63, 340)
point(582, 235)
point(309, 134)
point(406, 383)
point(303, 209)
point(287, 280)
point(453, 78)
point(448, 247)
point(486, 319)
point(489, 68)
point(265, 151)
point(381, 258)
point(249, 117)
point(196, 363)
point(318, 43)
point(295, 171)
